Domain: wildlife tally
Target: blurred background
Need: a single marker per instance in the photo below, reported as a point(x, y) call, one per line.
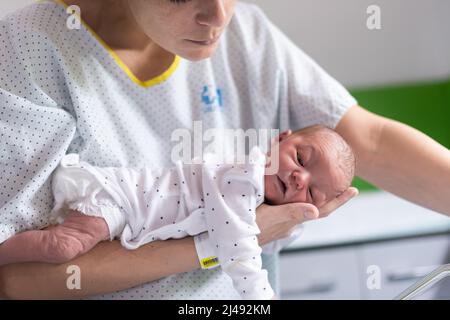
point(377, 245)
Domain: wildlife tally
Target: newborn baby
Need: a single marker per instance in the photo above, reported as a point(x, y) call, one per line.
point(140, 205)
point(315, 165)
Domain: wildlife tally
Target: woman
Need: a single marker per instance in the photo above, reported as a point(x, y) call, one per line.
point(113, 91)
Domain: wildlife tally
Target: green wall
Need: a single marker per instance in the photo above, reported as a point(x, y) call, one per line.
point(425, 107)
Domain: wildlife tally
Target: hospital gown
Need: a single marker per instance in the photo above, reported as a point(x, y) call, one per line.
point(62, 90)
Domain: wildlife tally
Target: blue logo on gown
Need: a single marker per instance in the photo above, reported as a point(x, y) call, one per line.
point(211, 99)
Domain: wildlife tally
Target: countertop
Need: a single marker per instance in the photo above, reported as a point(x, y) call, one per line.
point(371, 216)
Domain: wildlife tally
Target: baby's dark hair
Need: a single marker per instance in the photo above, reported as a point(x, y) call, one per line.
point(343, 152)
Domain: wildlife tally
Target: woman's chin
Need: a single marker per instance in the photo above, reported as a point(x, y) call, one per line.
point(198, 54)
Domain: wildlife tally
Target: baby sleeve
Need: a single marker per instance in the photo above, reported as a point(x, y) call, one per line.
point(76, 187)
point(230, 206)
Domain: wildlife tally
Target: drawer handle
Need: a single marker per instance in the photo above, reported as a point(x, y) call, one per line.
point(411, 274)
point(319, 287)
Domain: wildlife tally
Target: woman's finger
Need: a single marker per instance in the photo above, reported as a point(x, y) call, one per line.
point(297, 212)
point(290, 213)
point(332, 205)
point(275, 222)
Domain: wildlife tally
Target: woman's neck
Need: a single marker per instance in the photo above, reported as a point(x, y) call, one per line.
point(114, 23)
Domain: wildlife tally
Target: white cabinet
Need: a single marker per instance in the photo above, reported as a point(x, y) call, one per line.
point(341, 273)
point(403, 262)
point(322, 274)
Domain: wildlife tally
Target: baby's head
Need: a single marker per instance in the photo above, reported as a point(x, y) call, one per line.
point(315, 166)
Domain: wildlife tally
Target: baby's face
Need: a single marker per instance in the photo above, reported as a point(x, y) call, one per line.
point(307, 172)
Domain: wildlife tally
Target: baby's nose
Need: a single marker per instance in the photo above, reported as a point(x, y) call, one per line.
point(301, 178)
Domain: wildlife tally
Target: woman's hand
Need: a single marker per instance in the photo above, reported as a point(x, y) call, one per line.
point(277, 222)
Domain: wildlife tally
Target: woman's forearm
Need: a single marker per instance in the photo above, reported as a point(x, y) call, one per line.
point(106, 268)
point(412, 165)
point(109, 267)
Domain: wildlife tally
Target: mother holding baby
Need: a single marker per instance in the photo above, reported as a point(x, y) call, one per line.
point(114, 88)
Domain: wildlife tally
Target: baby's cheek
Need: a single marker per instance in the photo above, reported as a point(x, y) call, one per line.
point(321, 202)
point(269, 192)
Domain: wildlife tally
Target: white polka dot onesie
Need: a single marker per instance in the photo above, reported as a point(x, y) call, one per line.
point(141, 205)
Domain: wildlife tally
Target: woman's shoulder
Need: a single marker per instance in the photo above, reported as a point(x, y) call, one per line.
point(248, 10)
point(250, 39)
point(249, 24)
point(32, 39)
point(36, 22)
point(249, 49)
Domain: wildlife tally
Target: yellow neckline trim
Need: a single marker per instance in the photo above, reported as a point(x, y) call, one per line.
point(148, 83)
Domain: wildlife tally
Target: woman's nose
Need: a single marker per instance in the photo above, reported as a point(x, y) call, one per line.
point(213, 13)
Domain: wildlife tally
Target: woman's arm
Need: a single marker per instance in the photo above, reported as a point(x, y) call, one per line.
point(106, 268)
point(109, 267)
point(398, 158)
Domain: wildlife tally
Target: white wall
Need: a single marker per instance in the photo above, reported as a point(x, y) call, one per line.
point(413, 44)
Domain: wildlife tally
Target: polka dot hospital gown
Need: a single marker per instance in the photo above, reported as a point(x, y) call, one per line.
point(62, 90)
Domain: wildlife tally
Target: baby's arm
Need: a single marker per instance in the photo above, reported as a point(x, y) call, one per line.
point(230, 207)
point(78, 234)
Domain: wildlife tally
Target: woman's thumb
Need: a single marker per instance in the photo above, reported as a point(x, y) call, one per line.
point(311, 213)
point(303, 212)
